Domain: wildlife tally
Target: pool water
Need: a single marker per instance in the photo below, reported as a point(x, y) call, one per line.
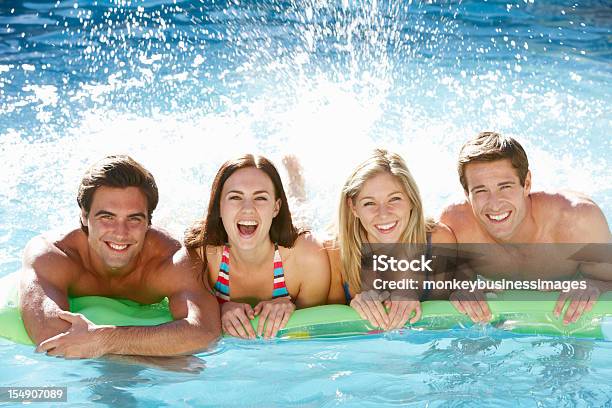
point(458, 368)
point(184, 85)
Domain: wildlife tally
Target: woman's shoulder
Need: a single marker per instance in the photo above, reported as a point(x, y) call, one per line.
point(306, 243)
point(308, 253)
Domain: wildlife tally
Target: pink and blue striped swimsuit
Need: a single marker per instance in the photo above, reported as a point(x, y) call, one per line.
point(222, 286)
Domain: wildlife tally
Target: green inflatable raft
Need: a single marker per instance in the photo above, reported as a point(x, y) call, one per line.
point(515, 311)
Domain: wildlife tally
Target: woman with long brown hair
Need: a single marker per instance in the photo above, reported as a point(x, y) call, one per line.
point(274, 267)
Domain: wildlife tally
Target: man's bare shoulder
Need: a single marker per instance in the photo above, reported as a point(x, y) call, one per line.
point(158, 259)
point(183, 271)
point(570, 217)
point(562, 200)
point(55, 243)
point(442, 234)
point(183, 261)
point(457, 215)
point(161, 244)
point(54, 255)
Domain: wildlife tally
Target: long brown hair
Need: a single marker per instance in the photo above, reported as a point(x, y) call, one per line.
point(209, 230)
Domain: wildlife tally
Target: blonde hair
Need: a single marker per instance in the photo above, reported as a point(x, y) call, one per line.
point(349, 228)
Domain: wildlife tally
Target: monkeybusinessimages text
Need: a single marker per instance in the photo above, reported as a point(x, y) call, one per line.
point(385, 263)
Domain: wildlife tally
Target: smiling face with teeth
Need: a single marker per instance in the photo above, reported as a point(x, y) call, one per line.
point(248, 206)
point(117, 223)
point(498, 200)
point(382, 208)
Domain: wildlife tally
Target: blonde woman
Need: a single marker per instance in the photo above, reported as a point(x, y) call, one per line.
point(379, 204)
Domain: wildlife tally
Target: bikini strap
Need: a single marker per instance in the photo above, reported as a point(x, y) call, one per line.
point(222, 288)
point(279, 289)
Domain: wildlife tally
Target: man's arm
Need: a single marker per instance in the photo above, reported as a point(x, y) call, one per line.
point(197, 321)
point(43, 292)
point(454, 217)
point(592, 227)
point(585, 223)
point(195, 310)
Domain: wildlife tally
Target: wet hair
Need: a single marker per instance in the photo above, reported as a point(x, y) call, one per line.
point(117, 171)
point(491, 146)
point(209, 230)
point(350, 230)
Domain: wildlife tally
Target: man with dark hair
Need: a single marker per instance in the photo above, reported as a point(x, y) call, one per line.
point(501, 211)
point(115, 253)
point(120, 172)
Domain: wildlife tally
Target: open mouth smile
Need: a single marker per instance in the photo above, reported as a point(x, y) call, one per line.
point(247, 228)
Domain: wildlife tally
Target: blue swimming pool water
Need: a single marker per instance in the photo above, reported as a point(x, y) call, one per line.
point(184, 85)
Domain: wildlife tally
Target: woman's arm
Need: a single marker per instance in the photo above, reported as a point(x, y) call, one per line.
point(313, 272)
point(336, 289)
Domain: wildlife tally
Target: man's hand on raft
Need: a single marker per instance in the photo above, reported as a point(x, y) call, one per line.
point(84, 339)
point(580, 301)
point(474, 304)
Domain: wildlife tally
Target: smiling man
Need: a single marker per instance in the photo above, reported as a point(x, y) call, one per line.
point(517, 227)
point(115, 253)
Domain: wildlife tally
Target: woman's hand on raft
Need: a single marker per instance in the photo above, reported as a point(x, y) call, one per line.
point(273, 316)
point(371, 306)
point(236, 319)
point(401, 311)
point(84, 339)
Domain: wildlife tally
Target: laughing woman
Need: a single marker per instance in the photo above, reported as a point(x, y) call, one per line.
point(256, 261)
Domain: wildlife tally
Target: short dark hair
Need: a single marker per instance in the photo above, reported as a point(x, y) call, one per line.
point(210, 231)
point(491, 146)
point(119, 171)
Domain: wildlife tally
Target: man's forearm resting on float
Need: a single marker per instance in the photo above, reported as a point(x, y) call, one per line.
point(179, 337)
point(189, 333)
point(43, 304)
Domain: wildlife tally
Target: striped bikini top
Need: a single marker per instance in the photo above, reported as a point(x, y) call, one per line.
point(222, 286)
